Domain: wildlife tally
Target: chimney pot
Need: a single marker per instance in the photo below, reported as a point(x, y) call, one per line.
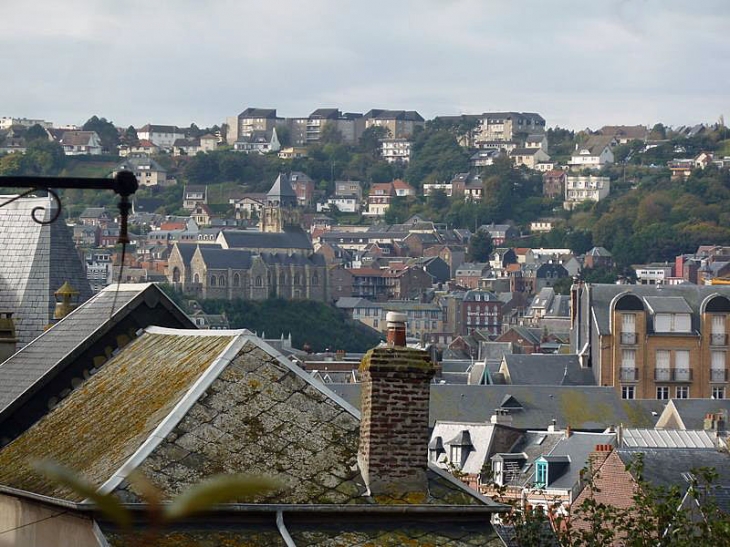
point(396, 323)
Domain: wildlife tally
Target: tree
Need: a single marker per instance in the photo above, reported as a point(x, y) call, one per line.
point(480, 246)
point(130, 137)
point(35, 133)
point(106, 131)
point(283, 133)
point(436, 154)
point(438, 201)
point(371, 137)
point(329, 134)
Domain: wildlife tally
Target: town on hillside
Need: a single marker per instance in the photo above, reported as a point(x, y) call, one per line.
point(488, 322)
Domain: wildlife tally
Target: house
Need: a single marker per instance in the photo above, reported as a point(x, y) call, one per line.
point(308, 130)
point(654, 341)
point(147, 171)
point(500, 232)
point(292, 153)
point(598, 257)
point(523, 339)
point(653, 274)
point(344, 204)
point(400, 123)
point(624, 134)
point(95, 216)
point(252, 120)
point(395, 150)
point(253, 392)
point(537, 140)
point(379, 198)
point(543, 225)
point(582, 188)
point(162, 136)
point(81, 143)
point(503, 127)
point(468, 274)
point(421, 318)
point(481, 310)
point(303, 187)
point(348, 188)
point(403, 189)
point(528, 157)
point(485, 158)
point(258, 142)
point(142, 148)
point(553, 183)
point(593, 154)
point(201, 214)
point(548, 274)
point(545, 370)
point(193, 194)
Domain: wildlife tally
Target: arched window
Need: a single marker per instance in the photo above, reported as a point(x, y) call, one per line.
point(176, 275)
point(259, 281)
point(212, 281)
point(296, 279)
point(282, 279)
point(315, 280)
point(236, 280)
point(222, 281)
point(196, 278)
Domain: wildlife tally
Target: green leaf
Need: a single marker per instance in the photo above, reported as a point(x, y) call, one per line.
point(106, 503)
point(216, 490)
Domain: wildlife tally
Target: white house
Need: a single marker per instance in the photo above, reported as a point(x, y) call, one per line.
point(80, 143)
point(258, 143)
point(163, 136)
point(593, 154)
point(579, 189)
point(396, 150)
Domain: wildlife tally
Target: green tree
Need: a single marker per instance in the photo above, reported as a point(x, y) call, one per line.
point(480, 246)
point(438, 201)
point(129, 137)
point(34, 133)
point(329, 134)
point(371, 137)
point(436, 155)
point(106, 131)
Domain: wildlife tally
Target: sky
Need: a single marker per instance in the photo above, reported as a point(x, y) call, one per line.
point(579, 63)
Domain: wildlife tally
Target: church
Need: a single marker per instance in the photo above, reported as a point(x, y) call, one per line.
point(278, 261)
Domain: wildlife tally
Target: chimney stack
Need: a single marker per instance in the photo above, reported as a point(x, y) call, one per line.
point(394, 432)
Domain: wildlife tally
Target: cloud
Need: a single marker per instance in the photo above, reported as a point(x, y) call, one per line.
point(577, 63)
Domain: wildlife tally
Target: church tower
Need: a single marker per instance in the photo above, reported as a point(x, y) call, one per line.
point(279, 212)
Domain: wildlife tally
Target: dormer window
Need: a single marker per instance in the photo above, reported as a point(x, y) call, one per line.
point(459, 448)
point(541, 473)
point(436, 449)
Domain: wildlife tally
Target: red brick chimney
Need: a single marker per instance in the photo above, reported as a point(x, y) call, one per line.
point(393, 451)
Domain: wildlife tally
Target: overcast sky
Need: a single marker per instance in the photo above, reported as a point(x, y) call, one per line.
point(579, 63)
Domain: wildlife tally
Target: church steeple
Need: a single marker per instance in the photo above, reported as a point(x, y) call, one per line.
point(278, 213)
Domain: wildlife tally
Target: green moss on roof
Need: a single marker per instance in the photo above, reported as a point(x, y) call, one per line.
point(101, 424)
point(578, 409)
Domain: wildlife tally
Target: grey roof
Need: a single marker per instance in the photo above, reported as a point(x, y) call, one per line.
point(692, 412)
point(599, 251)
point(245, 239)
point(603, 294)
point(24, 373)
point(669, 467)
point(577, 448)
point(667, 304)
point(36, 260)
point(584, 407)
point(667, 438)
point(223, 259)
point(555, 370)
point(559, 307)
point(130, 164)
point(281, 188)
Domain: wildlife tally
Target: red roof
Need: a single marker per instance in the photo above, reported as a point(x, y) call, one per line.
point(167, 226)
point(401, 184)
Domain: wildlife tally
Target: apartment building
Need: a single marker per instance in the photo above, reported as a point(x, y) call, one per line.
point(396, 150)
point(400, 123)
point(653, 342)
point(579, 189)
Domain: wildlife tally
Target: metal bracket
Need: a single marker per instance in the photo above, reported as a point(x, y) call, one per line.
point(123, 183)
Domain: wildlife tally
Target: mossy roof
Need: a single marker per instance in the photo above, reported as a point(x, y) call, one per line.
point(103, 422)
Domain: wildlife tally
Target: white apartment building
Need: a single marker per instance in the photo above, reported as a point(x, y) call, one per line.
point(579, 189)
point(163, 136)
point(6, 122)
point(396, 150)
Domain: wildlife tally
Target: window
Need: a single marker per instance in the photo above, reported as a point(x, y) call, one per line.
point(628, 358)
point(541, 473)
point(681, 365)
point(628, 392)
point(718, 392)
point(717, 367)
point(212, 280)
point(259, 281)
point(663, 371)
point(196, 278)
point(662, 393)
point(315, 280)
point(456, 455)
point(222, 281)
point(682, 392)
point(296, 278)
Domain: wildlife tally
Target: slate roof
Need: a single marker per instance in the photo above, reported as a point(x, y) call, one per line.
point(667, 304)
point(78, 138)
point(27, 371)
point(223, 259)
point(603, 294)
point(670, 467)
point(182, 405)
point(577, 448)
point(245, 239)
point(555, 370)
point(36, 260)
point(692, 412)
point(583, 407)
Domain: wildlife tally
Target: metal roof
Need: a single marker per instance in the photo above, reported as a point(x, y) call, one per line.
point(667, 438)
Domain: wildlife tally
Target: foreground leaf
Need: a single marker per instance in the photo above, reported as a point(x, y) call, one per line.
point(216, 490)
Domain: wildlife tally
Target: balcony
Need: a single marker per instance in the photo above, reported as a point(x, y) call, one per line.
point(718, 375)
point(718, 339)
point(628, 338)
point(627, 374)
point(672, 375)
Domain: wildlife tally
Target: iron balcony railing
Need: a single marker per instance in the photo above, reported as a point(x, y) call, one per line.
point(718, 375)
point(672, 375)
point(718, 339)
point(629, 374)
point(628, 338)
